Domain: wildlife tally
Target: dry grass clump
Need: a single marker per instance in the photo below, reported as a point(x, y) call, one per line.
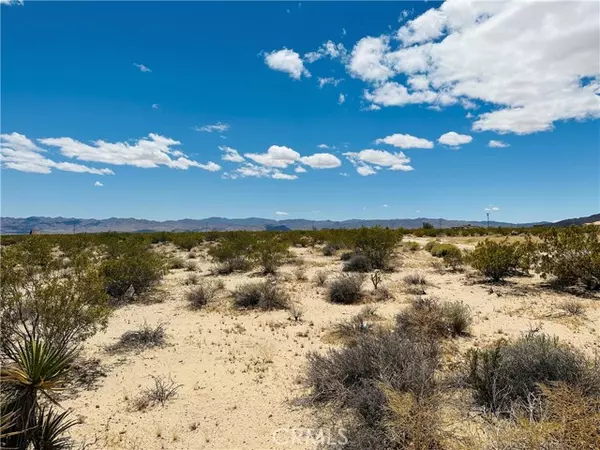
point(192, 279)
point(265, 295)
point(163, 390)
point(190, 266)
point(176, 263)
point(509, 375)
point(349, 331)
point(204, 293)
point(415, 279)
point(347, 289)
point(144, 337)
point(572, 308)
point(428, 318)
point(321, 278)
point(231, 265)
point(300, 273)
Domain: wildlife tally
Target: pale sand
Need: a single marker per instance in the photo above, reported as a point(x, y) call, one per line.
point(240, 372)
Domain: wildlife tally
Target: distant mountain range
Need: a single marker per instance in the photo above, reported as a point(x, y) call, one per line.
point(62, 225)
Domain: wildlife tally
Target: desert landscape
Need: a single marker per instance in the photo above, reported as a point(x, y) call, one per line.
point(221, 349)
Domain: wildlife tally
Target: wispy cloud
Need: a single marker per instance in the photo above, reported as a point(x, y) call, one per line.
point(154, 105)
point(142, 67)
point(281, 213)
point(219, 127)
point(497, 144)
point(231, 154)
point(341, 99)
point(98, 184)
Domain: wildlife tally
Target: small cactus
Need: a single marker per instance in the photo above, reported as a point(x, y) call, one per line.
point(376, 278)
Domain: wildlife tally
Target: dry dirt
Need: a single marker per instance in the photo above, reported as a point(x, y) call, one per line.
point(240, 372)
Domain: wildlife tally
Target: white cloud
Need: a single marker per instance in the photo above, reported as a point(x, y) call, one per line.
point(287, 61)
point(323, 146)
point(344, 32)
point(497, 144)
point(142, 67)
point(145, 153)
point(277, 175)
point(341, 99)
point(18, 152)
point(300, 169)
point(344, 174)
point(330, 80)
point(491, 209)
point(276, 156)
point(256, 171)
point(281, 213)
point(419, 82)
point(368, 161)
point(154, 105)
point(454, 139)
point(218, 127)
point(98, 184)
point(321, 161)
point(385, 206)
point(328, 49)
point(230, 154)
point(405, 141)
point(367, 60)
point(11, 2)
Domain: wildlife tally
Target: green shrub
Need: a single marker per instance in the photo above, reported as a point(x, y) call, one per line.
point(430, 245)
point(176, 263)
point(496, 260)
point(264, 295)
point(269, 255)
point(572, 256)
point(346, 289)
point(440, 250)
point(510, 373)
point(358, 263)
point(412, 246)
point(239, 264)
point(377, 245)
point(139, 271)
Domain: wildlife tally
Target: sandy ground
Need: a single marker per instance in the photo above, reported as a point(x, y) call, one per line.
point(240, 372)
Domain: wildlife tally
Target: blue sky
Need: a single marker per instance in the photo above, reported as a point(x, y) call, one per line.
point(128, 109)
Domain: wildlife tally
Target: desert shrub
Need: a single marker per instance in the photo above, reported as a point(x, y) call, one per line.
point(415, 279)
point(329, 249)
point(440, 250)
point(430, 245)
point(232, 252)
point(572, 256)
point(346, 256)
point(509, 374)
point(190, 266)
point(572, 308)
point(300, 273)
point(176, 263)
point(191, 255)
point(33, 370)
point(412, 246)
point(265, 295)
point(496, 260)
point(269, 255)
point(60, 301)
point(321, 278)
point(349, 331)
point(163, 390)
point(430, 319)
point(296, 312)
point(237, 264)
point(132, 267)
point(144, 337)
point(377, 245)
point(192, 278)
point(453, 259)
point(186, 241)
point(358, 263)
point(358, 378)
point(202, 294)
point(346, 289)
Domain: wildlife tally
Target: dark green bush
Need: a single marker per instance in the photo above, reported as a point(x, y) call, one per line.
point(572, 256)
point(265, 295)
point(269, 255)
point(510, 374)
point(377, 245)
point(358, 263)
point(441, 250)
point(346, 289)
point(346, 256)
point(497, 260)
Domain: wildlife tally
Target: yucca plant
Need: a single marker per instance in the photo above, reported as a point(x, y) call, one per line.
point(33, 367)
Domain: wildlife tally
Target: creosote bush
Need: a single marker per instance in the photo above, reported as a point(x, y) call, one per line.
point(572, 256)
point(509, 375)
point(202, 294)
point(377, 245)
point(265, 295)
point(429, 318)
point(269, 255)
point(358, 263)
point(497, 260)
point(412, 246)
point(346, 289)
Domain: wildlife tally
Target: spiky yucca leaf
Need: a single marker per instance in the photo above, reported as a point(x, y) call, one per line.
point(50, 430)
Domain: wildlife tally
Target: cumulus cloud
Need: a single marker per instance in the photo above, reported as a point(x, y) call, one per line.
point(405, 141)
point(368, 59)
point(330, 80)
point(341, 99)
point(497, 144)
point(145, 153)
point(142, 67)
point(257, 171)
point(219, 127)
point(454, 139)
point(300, 169)
point(321, 161)
point(368, 161)
point(328, 49)
point(18, 152)
point(98, 184)
point(276, 156)
point(286, 61)
point(230, 154)
point(277, 175)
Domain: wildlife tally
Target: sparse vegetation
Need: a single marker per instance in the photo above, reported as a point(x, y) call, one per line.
point(269, 255)
point(199, 296)
point(144, 337)
point(415, 279)
point(429, 318)
point(351, 330)
point(265, 295)
point(321, 278)
point(358, 263)
point(164, 389)
point(573, 308)
point(346, 289)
